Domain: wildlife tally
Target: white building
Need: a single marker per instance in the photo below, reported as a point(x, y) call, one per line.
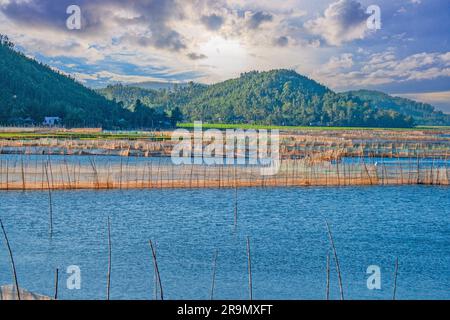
point(51, 121)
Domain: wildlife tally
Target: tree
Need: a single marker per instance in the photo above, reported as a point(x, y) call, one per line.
point(175, 116)
point(4, 41)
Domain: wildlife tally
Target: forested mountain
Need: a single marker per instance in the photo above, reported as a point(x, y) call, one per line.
point(422, 113)
point(30, 91)
point(278, 97)
point(160, 99)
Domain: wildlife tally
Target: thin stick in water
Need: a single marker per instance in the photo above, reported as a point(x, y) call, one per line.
point(108, 286)
point(13, 266)
point(56, 283)
point(327, 294)
point(155, 263)
point(214, 275)
point(49, 200)
point(395, 279)
point(155, 278)
point(250, 284)
point(336, 260)
point(235, 201)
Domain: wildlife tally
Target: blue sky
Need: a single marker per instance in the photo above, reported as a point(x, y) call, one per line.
point(213, 40)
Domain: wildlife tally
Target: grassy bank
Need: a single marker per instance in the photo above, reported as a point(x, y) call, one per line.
point(54, 133)
point(84, 136)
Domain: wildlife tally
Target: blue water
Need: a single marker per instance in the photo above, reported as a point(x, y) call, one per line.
point(404, 162)
point(289, 244)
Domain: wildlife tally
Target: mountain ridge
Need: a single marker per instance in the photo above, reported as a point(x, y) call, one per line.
point(272, 94)
point(300, 99)
point(416, 109)
point(31, 91)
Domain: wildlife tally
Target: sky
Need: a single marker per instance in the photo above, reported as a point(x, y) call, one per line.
point(209, 41)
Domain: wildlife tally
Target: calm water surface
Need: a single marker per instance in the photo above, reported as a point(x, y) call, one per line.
point(371, 226)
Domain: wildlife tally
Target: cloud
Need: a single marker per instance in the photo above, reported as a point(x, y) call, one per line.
point(440, 99)
point(342, 72)
point(102, 18)
point(196, 56)
point(255, 19)
point(342, 21)
point(430, 97)
point(282, 41)
point(414, 67)
point(212, 22)
point(213, 40)
point(168, 39)
point(111, 77)
point(344, 61)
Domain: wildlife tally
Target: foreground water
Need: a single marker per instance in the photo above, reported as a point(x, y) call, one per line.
point(286, 226)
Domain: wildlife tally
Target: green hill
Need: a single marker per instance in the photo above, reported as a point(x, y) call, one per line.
point(278, 97)
point(31, 91)
point(423, 113)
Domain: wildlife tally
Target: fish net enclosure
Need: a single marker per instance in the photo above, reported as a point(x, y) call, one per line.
point(311, 157)
point(65, 172)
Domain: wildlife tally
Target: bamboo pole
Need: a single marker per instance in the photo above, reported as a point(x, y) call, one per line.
point(13, 266)
point(155, 263)
point(7, 174)
point(23, 174)
point(327, 292)
point(336, 260)
point(49, 201)
point(56, 283)
point(395, 279)
point(235, 206)
point(249, 260)
point(108, 284)
point(213, 282)
point(155, 278)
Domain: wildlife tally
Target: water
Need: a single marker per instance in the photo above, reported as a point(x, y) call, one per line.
point(36, 160)
point(403, 162)
point(371, 226)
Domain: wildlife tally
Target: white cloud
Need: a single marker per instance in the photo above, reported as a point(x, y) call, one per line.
point(344, 61)
point(241, 36)
point(111, 77)
point(342, 21)
point(440, 99)
point(342, 72)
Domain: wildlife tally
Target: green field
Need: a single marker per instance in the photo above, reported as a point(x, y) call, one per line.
point(161, 136)
point(83, 136)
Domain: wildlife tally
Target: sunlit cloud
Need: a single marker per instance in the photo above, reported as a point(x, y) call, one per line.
point(209, 41)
